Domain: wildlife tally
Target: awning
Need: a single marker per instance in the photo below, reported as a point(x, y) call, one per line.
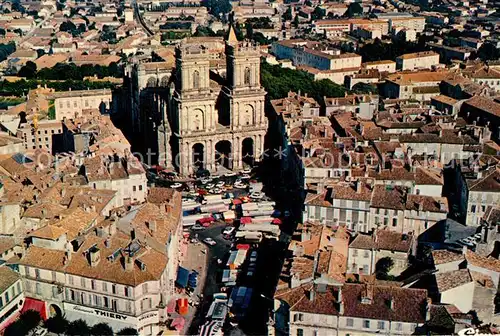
point(178, 323)
point(276, 221)
point(36, 305)
point(182, 277)
point(183, 306)
point(237, 201)
point(211, 328)
point(245, 220)
point(171, 306)
point(243, 247)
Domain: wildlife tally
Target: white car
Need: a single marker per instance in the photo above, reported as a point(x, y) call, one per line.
point(240, 185)
point(228, 231)
point(245, 176)
point(205, 180)
point(230, 174)
point(256, 195)
point(209, 241)
point(176, 185)
point(220, 184)
point(210, 186)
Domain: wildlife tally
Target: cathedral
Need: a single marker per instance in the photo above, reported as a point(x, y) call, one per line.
point(203, 116)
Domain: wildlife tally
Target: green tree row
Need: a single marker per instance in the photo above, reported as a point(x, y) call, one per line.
point(279, 81)
point(22, 86)
point(64, 71)
point(6, 50)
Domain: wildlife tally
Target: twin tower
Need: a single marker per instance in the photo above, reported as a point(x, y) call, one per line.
point(217, 122)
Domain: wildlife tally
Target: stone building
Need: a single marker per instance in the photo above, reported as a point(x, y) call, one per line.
point(203, 116)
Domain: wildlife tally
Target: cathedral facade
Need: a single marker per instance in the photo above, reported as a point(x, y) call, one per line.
point(206, 110)
point(217, 123)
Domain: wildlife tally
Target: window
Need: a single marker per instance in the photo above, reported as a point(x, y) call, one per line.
point(144, 288)
point(128, 306)
point(196, 80)
point(127, 291)
point(473, 208)
point(366, 254)
point(37, 273)
point(247, 76)
point(1, 302)
point(72, 295)
point(82, 282)
point(18, 287)
point(366, 323)
point(113, 289)
point(300, 332)
point(93, 284)
point(54, 277)
point(27, 271)
point(380, 325)
point(28, 286)
point(70, 280)
point(140, 187)
point(394, 222)
point(349, 322)
point(134, 188)
point(38, 290)
point(315, 333)
point(399, 326)
point(106, 301)
point(104, 286)
point(355, 252)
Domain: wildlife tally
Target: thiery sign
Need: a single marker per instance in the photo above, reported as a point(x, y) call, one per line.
point(151, 317)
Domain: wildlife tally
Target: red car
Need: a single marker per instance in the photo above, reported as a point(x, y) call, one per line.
point(206, 221)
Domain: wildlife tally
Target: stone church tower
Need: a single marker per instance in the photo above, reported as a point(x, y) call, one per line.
point(217, 122)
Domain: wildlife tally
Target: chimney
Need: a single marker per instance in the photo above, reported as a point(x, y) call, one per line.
point(94, 255)
point(129, 263)
point(112, 228)
point(464, 250)
point(391, 303)
point(428, 309)
point(107, 243)
point(312, 294)
point(152, 226)
point(44, 213)
point(358, 186)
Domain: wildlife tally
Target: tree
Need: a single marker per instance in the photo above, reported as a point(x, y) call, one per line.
point(56, 324)
point(383, 267)
point(488, 52)
point(6, 50)
point(354, 9)
point(30, 318)
point(364, 88)
point(67, 26)
point(101, 329)
point(287, 16)
point(78, 328)
point(2, 32)
point(203, 31)
point(127, 332)
point(28, 70)
point(318, 13)
point(219, 8)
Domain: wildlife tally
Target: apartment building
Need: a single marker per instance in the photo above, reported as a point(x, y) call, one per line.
point(39, 134)
point(301, 54)
point(387, 207)
point(330, 27)
point(421, 85)
point(11, 296)
point(354, 309)
point(343, 203)
point(382, 66)
point(483, 192)
point(419, 60)
point(121, 275)
point(125, 175)
point(71, 104)
point(367, 249)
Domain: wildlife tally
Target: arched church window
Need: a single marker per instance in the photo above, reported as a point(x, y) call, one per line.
point(196, 79)
point(247, 76)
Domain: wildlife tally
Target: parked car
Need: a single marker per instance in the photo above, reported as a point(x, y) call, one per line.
point(220, 184)
point(228, 231)
point(205, 221)
point(256, 195)
point(197, 227)
point(240, 185)
point(209, 241)
point(176, 185)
